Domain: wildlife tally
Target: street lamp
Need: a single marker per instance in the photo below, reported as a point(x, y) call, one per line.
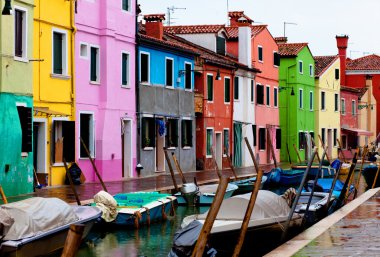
point(7, 10)
point(283, 88)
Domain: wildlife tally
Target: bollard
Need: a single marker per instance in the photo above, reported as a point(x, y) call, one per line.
point(73, 240)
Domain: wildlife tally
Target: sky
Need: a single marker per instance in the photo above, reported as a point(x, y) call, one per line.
point(318, 21)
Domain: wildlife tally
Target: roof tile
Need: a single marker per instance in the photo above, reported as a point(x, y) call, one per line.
point(322, 63)
point(369, 62)
point(193, 29)
point(290, 49)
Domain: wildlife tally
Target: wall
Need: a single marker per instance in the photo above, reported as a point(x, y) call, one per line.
point(206, 40)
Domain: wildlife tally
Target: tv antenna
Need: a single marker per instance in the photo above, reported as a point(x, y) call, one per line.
point(170, 11)
point(288, 23)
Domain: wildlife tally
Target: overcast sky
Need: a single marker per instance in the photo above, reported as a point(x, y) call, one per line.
point(318, 21)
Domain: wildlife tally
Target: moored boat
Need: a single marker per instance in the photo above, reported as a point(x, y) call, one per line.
point(246, 185)
point(369, 174)
point(326, 171)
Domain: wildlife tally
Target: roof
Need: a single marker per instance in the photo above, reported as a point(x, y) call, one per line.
point(193, 29)
point(154, 17)
point(233, 32)
point(359, 91)
point(239, 14)
point(369, 62)
point(290, 49)
point(322, 63)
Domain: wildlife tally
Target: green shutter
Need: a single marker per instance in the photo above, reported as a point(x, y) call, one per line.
point(57, 53)
point(220, 45)
point(94, 53)
point(236, 88)
point(210, 88)
point(278, 138)
point(124, 67)
point(125, 5)
point(227, 90)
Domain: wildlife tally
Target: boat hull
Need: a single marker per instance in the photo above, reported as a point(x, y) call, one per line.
point(369, 174)
point(326, 171)
point(246, 185)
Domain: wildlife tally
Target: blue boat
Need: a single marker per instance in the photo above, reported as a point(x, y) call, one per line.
point(327, 171)
point(285, 177)
point(324, 185)
point(246, 185)
point(369, 174)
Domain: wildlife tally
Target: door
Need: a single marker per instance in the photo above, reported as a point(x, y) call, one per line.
point(39, 137)
point(218, 150)
point(238, 144)
point(127, 149)
point(160, 144)
point(329, 142)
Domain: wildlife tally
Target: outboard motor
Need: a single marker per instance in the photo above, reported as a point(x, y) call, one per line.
point(190, 193)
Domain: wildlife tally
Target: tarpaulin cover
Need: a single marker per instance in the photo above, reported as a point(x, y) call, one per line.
point(105, 202)
point(36, 215)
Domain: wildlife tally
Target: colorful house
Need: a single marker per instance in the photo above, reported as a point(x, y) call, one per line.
point(54, 89)
point(327, 99)
point(296, 93)
point(105, 88)
point(165, 98)
point(16, 101)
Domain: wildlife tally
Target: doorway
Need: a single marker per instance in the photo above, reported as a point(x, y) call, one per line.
point(218, 150)
point(127, 149)
point(160, 144)
point(39, 138)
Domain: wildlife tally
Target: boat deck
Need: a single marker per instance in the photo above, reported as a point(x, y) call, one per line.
point(351, 231)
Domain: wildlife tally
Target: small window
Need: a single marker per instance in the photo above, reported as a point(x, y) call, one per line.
point(323, 101)
point(148, 132)
point(278, 138)
point(311, 70)
point(337, 73)
point(209, 136)
point(210, 87)
point(268, 96)
point(59, 53)
point(172, 133)
point(187, 133)
point(64, 141)
point(260, 53)
point(188, 76)
point(343, 106)
point(95, 60)
point(275, 97)
point(335, 136)
point(236, 88)
point(144, 67)
point(169, 72)
point(276, 59)
point(323, 135)
point(20, 33)
point(252, 91)
point(254, 131)
point(262, 139)
point(25, 116)
point(220, 45)
point(300, 67)
point(125, 69)
point(353, 108)
point(311, 101)
point(83, 50)
point(259, 94)
point(301, 140)
point(312, 134)
point(344, 142)
point(336, 102)
point(227, 90)
point(300, 98)
point(226, 141)
point(126, 5)
point(87, 133)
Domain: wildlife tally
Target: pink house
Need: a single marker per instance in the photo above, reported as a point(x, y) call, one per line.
point(105, 87)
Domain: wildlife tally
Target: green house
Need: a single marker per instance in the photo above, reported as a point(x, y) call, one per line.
point(296, 87)
point(16, 98)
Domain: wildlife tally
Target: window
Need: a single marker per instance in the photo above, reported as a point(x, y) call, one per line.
point(300, 67)
point(64, 141)
point(187, 133)
point(278, 138)
point(259, 94)
point(210, 87)
point(188, 76)
point(301, 140)
point(252, 91)
point(312, 134)
point(148, 132)
point(87, 133)
point(275, 97)
point(125, 69)
point(335, 136)
point(220, 45)
point(236, 88)
point(20, 32)
point(311, 70)
point(25, 116)
point(172, 133)
point(337, 73)
point(344, 142)
point(353, 108)
point(169, 72)
point(59, 53)
point(268, 96)
point(83, 50)
point(254, 131)
point(226, 141)
point(144, 67)
point(262, 141)
point(336, 107)
point(343, 106)
point(227, 90)
point(260, 53)
point(94, 66)
point(323, 135)
point(126, 5)
point(311, 102)
point(276, 59)
point(323, 101)
point(209, 136)
point(300, 98)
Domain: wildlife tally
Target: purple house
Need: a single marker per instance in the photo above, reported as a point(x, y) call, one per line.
point(105, 87)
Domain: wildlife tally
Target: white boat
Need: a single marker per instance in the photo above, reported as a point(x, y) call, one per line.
point(39, 226)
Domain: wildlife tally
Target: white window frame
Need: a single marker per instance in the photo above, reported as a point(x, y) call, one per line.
point(323, 109)
point(129, 5)
point(224, 89)
point(267, 94)
point(56, 136)
point(172, 59)
point(93, 146)
point(22, 104)
point(97, 82)
point(300, 98)
point(311, 70)
point(353, 110)
point(128, 69)
point(275, 103)
point(311, 101)
point(252, 88)
point(300, 67)
point(24, 57)
point(337, 109)
point(212, 141)
point(262, 53)
point(148, 54)
point(80, 50)
point(213, 88)
point(186, 147)
point(238, 99)
point(191, 77)
point(64, 54)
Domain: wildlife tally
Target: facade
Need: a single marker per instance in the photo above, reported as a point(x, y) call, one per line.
point(165, 99)
point(16, 101)
point(105, 88)
point(54, 89)
point(296, 93)
point(327, 102)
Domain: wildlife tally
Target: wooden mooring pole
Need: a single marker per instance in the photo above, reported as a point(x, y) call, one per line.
point(211, 216)
point(323, 145)
point(231, 165)
point(298, 154)
point(341, 150)
point(179, 169)
point(375, 179)
point(3, 195)
point(216, 164)
point(171, 169)
point(272, 150)
point(252, 155)
point(73, 240)
point(71, 182)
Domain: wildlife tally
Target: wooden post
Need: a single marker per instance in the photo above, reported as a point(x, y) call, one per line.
point(289, 158)
point(216, 165)
point(73, 240)
point(247, 216)
point(365, 152)
point(3, 195)
point(211, 216)
point(93, 165)
point(171, 169)
point(351, 178)
point(272, 149)
point(341, 150)
point(231, 165)
point(332, 188)
point(179, 169)
point(298, 154)
point(252, 155)
point(323, 145)
point(71, 182)
point(312, 140)
point(377, 174)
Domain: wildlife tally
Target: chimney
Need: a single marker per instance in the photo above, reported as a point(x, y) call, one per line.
point(245, 48)
point(153, 25)
point(281, 40)
point(342, 42)
point(238, 19)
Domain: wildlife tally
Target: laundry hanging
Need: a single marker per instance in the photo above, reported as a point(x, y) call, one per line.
point(161, 127)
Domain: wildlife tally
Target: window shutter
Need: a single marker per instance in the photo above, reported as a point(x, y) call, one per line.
point(124, 67)
point(254, 131)
point(18, 33)
point(94, 54)
point(57, 54)
point(68, 134)
point(26, 123)
point(125, 5)
point(236, 88)
point(169, 72)
point(152, 132)
point(276, 59)
point(337, 74)
point(183, 133)
point(220, 45)
point(227, 90)
point(190, 133)
point(188, 76)
point(144, 77)
point(278, 138)
point(142, 133)
point(210, 89)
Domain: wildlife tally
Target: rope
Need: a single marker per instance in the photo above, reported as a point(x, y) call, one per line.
point(147, 215)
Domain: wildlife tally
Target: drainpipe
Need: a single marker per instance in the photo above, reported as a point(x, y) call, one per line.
point(137, 90)
point(72, 36)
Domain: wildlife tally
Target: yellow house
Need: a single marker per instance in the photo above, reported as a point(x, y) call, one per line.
point(53, 92)
point(327, 99)
point(367, 114)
